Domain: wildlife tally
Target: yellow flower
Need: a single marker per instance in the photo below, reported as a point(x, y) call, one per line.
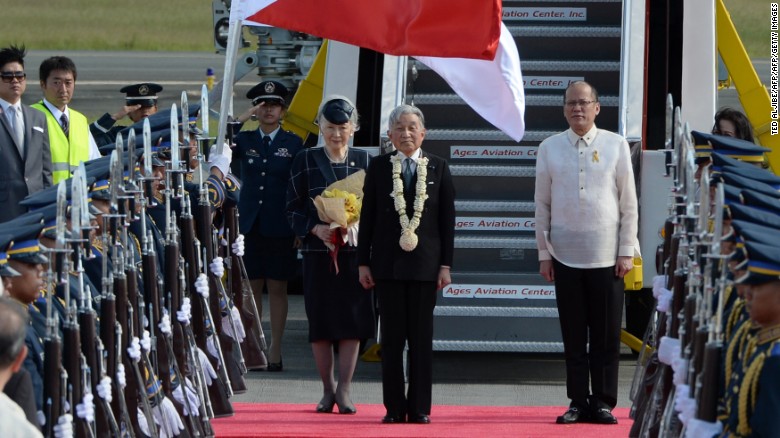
point(352, 203)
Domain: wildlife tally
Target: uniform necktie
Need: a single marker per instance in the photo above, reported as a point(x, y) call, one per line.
point(64, 123)
point(408, 172)
point(17, 124)
point(266, 143)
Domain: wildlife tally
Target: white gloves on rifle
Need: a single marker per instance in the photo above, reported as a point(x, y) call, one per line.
point(104, 389)
point(64, 427)
point(202, 285)
point(86, 409)
point(209, 374)
point(217, 267)
point(221, 161)
point(238, 245)
point(227, 325)
point(193, 401)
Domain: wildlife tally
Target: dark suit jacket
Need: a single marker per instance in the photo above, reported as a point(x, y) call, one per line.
point(19, 389)
point(21, 176)
point(380, 229)
point(264, 178)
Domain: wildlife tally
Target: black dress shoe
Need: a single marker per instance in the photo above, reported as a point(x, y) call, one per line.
point(275, 367)
point(420, 419)
point(393, 419)
point(602, 416)
point(572, 415)
point(325, 405)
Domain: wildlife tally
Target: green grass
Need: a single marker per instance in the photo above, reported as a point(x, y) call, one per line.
point(751, 18)
point(155, 25)
point(185, 25)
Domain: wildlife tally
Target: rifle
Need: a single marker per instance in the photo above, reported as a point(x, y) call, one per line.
point(219, 392)
point(254, 344)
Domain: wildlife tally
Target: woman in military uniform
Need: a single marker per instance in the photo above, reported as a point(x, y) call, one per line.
point(264, 156)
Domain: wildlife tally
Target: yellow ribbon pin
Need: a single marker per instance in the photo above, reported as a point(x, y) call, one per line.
point(595, 156)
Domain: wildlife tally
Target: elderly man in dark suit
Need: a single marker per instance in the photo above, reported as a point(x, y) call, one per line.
point(405, 250)
point(25, 158)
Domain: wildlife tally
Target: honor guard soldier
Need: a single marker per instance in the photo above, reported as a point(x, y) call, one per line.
point(141, 102)
point(263, 158)
point(25, 256)
point(755, 396)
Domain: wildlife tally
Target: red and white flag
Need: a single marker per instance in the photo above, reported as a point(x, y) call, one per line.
point(494, 89)
point(464, 42)
point(443, 28)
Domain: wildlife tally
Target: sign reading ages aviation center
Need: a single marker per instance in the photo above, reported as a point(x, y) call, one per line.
point(511, 292)
point(466, 223)
point(494, 152)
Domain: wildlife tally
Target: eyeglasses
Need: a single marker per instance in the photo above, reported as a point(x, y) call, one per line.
point(9, 76)
point(582, 103)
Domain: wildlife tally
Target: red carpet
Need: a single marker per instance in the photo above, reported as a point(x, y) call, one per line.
point(295, 420)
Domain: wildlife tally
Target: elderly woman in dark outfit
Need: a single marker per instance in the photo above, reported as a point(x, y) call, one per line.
point(338, 308)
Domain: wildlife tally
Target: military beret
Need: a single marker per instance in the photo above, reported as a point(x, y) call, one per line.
point(337, 111)
point(5, 269)
point(25, 247)
point(268, 91)
point(144, 94)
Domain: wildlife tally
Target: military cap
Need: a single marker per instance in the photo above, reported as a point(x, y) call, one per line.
point(5, 269)
point(763, 264)
point(761, 201)
point(755, 215)
point(747, 183)
point(25, 247)
point(337, 111)
point(48, 195)
point(731, 194)
point(31, 217)
point(749, 231)
point(739, 256)
point(737, 148)
point(159, 121)
point(144, 94)
point(752, 172)
point(267, 91)
point(701, 146)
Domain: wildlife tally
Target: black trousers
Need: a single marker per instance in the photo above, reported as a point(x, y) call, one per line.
point(406, 315)
point(590, 310)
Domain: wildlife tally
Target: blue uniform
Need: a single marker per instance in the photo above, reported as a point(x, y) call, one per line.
point(265, 174)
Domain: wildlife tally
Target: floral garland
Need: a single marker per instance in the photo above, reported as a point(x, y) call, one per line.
point(408, 240)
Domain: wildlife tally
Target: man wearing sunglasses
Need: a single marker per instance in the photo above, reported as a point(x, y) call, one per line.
point(25, 158)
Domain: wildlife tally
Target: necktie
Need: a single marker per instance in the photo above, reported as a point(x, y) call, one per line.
point(64, 123)
point(407, 172)
point(17, 123)
point(266, 142)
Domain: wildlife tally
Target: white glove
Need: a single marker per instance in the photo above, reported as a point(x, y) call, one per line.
point(146, 341)
point(184, 314)
point(202, 285)
point(227, 326)
point(193, 401)
point(659, 282)
point(698, 428)
point(165, 323)
point(86, 409)
point(120, 376)
point(238, 245)
point(209, 374)
point(134, 350)
point(664, 300)
point(217, 268)
point(220, 161)
point(666, 349)
point(64, 427)
point(211, 347)
point(104, 389)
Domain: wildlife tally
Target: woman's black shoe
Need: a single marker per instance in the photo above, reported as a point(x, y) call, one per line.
point(275, 367)
point(346, 407)
point(326, 404)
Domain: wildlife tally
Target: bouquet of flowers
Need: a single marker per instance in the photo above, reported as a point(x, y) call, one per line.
point(339, 205)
